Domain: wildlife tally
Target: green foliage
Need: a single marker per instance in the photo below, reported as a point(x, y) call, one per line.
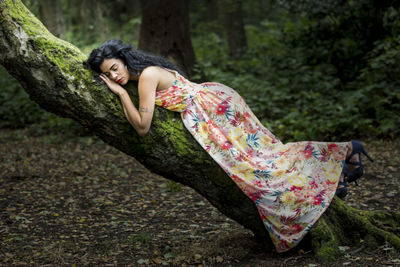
point(377, 88)
point(173, 186)
point(141, 237)
point(311, 75)
point(313, 70)
point(18, 111)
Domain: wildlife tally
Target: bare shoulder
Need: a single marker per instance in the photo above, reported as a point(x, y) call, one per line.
point(152, 72)
point(162, 77)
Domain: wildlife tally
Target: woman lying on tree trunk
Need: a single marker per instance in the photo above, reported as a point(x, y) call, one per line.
point(291, 184)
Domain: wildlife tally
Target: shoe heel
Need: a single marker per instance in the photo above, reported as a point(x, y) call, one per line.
point(365, 153)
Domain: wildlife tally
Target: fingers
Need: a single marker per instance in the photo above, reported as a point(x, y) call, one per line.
point(104, 77)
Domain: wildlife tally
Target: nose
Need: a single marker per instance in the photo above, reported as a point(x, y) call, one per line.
point(113, 75)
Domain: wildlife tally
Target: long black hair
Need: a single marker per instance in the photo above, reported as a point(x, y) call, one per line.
point(135, 60)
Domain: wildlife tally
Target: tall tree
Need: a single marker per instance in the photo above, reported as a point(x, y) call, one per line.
point(51, 71)
point(99, 11)
point(165, 31)
point(231, 11)
point(52, 16)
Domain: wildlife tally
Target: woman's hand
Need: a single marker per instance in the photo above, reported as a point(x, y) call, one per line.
point(113, 86)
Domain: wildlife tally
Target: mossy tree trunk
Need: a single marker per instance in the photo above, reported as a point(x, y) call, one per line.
point(51, 71)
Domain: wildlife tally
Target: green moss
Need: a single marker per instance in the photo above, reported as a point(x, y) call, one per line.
point(370, 241)
point(392, 219)
point(324, 241)
point(30, 24)
point(174, 131)
point(62, 54)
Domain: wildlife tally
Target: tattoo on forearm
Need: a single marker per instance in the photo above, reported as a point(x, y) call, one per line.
point(144, 109)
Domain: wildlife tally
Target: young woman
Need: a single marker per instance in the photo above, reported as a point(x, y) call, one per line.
point(291, 184)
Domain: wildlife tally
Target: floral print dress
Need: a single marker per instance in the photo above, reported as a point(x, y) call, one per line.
point(291, 184)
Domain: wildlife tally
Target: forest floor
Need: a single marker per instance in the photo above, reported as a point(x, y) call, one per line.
point(79, 202)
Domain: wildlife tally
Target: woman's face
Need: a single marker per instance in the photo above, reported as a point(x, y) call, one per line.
point(115, 69)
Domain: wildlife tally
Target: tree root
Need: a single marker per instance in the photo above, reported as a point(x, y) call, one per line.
point(344, 225)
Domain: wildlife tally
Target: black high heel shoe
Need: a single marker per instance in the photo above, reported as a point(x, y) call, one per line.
point(357, 172)
point(341, 191)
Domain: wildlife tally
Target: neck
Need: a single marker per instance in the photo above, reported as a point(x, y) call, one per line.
point(134, 77)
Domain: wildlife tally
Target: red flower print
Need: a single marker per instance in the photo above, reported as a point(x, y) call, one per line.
point(221, 109)
point(332, 146)
point(257, 183)
point(295, 188)
point(227, 145)
point(317, 200)
point(294, 169)
point(313, 185)
point(287, 219)
point(297, 227)
point(308, 152)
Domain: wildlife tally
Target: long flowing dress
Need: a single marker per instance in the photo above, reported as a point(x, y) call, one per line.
point(291, 184)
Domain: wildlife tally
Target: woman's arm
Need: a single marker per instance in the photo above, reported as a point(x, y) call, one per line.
point(139, 118)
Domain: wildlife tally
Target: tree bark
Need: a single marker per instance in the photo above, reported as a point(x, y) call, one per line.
point(164, 31)
point(231, 11)
point(100, 20)
point(51, 71)
point(52, 16)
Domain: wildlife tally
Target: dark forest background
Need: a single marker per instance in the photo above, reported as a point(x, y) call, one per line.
point(309, 69)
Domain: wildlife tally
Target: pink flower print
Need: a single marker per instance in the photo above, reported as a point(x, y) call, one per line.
point(251, 127)
point(236, 119)
point(283, 245)
point(217, 136)
point(334, 148)
point(240, 157)
point(287, 220)
point(324, 156)
point(249, 152)
point(284, 153)
point(291, 170)
point(336, 151)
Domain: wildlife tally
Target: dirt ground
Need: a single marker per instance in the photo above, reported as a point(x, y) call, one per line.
point(78, 202)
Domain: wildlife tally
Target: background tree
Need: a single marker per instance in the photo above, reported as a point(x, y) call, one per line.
point(165, 31)
point(52, 16)
point(231, 14)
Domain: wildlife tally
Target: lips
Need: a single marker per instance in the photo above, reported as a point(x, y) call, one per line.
point(120, 80)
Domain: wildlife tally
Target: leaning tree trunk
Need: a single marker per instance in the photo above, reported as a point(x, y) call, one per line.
point(51, 71)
